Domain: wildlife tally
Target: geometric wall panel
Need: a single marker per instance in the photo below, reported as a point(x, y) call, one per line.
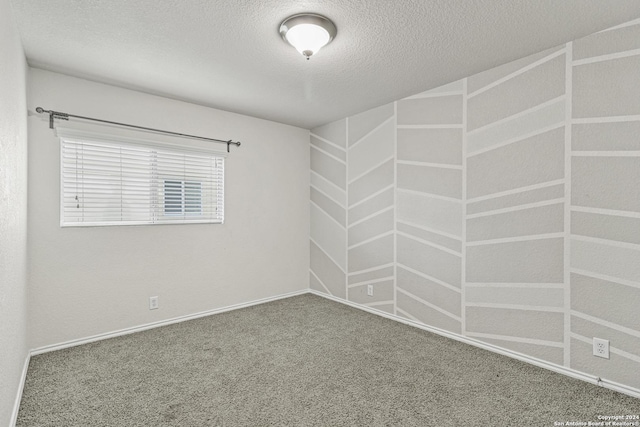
point(588, 294)
point(328, 274)
point(334, 132)
point(536, 325)
point(522, 222)
point(615, 136)
point(606, 259)
point(328, 235)
point(521, 92)
point(329, 167)
point(447, 299)
point(421, 111)
point(329, 148)
point(598, 182)
point(607, 42)
point(329, 206)
point(534, 261)
point(372, 254)
point(534, 160)
point(544, 117)
point(421, 311)
point(607, 88)
point(372, 150)
point(444, 216)
point(532, 295)
point(371, 183)
point(369, 276)
point(609, 227)
point(433, 262)
point(554, 192)
point(441, 146)
point(452, 243)
point(486, 78)
point(370, 228)
point(376, 203)
point(431, 180)
point(362, 124)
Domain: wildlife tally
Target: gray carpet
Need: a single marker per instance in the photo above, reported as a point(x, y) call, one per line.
point(302, 361)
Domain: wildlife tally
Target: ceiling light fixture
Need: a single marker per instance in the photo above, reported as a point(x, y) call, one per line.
point(307, 32)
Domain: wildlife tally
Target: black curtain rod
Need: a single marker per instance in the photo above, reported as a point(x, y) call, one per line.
point(65, 116)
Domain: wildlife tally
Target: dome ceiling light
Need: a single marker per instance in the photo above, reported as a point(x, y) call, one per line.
point(307, 32)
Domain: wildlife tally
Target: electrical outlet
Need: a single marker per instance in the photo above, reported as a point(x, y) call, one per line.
point(601, 348)
point(370, 290)
point(153, 303)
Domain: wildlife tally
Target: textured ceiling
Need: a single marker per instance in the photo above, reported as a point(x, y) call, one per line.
point(228, 54)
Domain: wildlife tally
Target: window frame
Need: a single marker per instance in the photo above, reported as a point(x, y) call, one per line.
point(140, 140)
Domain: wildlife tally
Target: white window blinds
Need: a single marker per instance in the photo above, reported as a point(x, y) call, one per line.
point(113, 183)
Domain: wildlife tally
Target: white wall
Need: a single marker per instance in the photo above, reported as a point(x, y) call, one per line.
point(87, 281)
point(13, 211)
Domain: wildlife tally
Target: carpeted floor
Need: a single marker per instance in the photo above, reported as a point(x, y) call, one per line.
point(301, 361)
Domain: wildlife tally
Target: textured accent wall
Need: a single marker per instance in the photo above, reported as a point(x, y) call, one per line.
point(605, 202)
point(429, 207)
point(515, 205)
point(503, 207)
point(370, 233)
point(328, 157)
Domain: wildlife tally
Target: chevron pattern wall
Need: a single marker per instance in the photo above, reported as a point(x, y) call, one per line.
point(328, 263)
point(370, 237)
point(515, 206)
point(429, 207)
point(605, 202)
point(504, 207)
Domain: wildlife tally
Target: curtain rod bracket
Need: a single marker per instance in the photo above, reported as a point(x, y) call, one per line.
point(65, 116)
point(53, 115)
point(229, 142)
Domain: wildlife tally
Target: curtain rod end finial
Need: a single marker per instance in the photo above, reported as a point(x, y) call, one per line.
point(39, 110)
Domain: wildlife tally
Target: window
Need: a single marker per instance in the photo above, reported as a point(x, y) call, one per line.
point(106, 182)
point(182, 197)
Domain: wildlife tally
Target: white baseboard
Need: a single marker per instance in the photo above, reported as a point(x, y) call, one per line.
point(16, 404)
point(160, 323)
point(631, 391)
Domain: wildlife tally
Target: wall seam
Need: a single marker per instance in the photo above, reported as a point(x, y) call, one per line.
point(346, 193)
point(395, 208)
point(463, 263)
point(567, 202)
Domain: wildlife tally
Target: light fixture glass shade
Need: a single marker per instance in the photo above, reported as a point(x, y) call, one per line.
point(308, 33)
point(308, 38)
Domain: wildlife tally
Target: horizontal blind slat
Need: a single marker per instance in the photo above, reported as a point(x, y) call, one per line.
point(110, 184)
